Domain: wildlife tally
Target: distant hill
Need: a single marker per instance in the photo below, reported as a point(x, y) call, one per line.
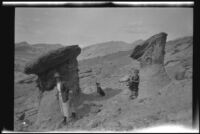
point(24, 47)
point(105, 48)
point(25, 52)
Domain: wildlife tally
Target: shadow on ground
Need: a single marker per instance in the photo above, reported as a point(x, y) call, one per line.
point(91, 103)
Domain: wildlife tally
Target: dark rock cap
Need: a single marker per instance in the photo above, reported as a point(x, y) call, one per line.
point(52, 59)
point(140, 49)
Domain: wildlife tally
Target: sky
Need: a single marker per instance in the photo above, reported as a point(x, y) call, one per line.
point(87, 26)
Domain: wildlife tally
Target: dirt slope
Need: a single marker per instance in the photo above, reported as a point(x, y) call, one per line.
point(173, 104)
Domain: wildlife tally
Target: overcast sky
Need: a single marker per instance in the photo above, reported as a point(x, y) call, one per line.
point(86, 26)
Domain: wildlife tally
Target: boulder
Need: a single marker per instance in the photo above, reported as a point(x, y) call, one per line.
point(52, 59)
point(63, 60)
point(150, 54)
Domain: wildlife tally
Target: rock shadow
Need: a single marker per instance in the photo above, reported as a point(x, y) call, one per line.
point(89, 103)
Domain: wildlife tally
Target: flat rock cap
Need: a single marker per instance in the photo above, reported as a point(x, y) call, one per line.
point(140, 49)
point(52, 59)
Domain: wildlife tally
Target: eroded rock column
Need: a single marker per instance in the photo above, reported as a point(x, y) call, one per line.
point(63, 61)
point(150, 54)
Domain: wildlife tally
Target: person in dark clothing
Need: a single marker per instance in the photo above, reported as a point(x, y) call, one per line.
point(133, 83)
point(99, 89)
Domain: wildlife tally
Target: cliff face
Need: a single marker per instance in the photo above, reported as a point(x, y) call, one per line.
point(150, 54)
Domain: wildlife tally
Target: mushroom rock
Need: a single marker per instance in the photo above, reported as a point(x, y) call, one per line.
point(64, 61)
point(150, 54)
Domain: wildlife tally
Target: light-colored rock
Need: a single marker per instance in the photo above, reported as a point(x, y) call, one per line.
point(152, 71)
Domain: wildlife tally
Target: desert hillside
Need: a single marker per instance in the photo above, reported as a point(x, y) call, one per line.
point(109, 63)
point(105, 48)
point(25, 52)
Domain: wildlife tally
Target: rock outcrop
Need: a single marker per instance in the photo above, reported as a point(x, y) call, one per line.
point(63, 61)
point(150, 54)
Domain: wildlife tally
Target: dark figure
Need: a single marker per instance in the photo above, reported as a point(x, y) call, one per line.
point(40, 94)
point(99, 89)
point(63, 97)
point(133, 83)
point(73, 115)
point(22, 116)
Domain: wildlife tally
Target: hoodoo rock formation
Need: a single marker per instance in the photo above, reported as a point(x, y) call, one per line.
point(64, 61)
point(150, 54)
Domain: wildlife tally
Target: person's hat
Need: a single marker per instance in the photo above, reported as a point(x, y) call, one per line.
point(56, 75)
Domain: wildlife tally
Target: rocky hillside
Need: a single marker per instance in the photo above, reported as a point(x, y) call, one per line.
point(179, 57)
point(115, 111)
point(25, 52)
point(102, 49)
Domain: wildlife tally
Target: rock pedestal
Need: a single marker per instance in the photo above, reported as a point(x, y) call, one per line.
point(150, 54)
point(63, 61)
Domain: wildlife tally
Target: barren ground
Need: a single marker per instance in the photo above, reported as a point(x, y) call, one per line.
point(173, 104)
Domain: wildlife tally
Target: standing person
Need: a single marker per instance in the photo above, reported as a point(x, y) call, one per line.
point(63, 96)
point(133, 83)
point(39, 85)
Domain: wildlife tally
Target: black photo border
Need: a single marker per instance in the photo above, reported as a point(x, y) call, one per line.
point(7, 56)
